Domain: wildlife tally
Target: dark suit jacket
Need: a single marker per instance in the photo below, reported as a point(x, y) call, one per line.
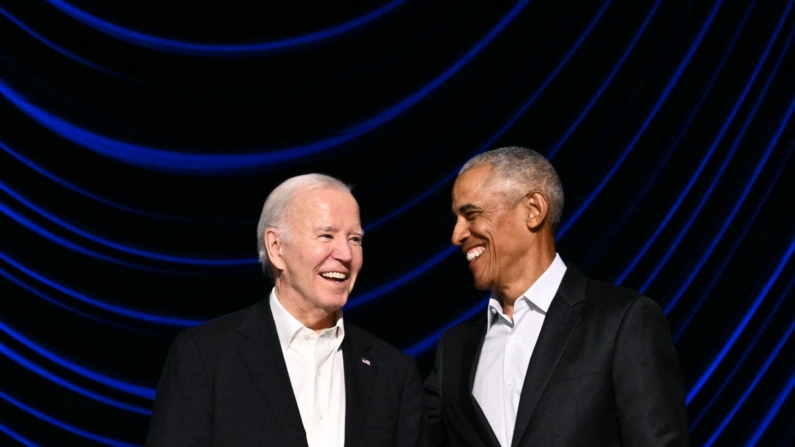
point(225, 383)
point(603, 373)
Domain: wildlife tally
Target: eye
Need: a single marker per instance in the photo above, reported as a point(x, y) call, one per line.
point(326, 236)
point(357, 240)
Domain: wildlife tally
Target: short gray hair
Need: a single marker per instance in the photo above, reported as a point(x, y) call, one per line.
point(526, 170)
point(276, 210)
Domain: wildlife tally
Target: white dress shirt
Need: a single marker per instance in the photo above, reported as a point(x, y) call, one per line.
point(315, 365)
point(507, 350)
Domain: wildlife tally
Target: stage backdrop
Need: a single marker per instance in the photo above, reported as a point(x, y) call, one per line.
point(139, 139)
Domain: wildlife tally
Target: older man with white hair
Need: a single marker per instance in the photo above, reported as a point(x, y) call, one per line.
point(288, 371)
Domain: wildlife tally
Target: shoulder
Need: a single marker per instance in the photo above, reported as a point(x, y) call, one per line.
point(612, 302)
point(215, 333)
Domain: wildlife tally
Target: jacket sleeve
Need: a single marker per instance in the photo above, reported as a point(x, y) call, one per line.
point(437, 436)
point(412, 430)
point(648, 382)
point(183, 405)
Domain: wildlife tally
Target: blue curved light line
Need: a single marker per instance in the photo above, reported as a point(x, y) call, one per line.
point(218, 50)
point(16, 436)
point(427, 343)
point(750, 387)
point(55, 302)
point(662, 162)
point(671, 84)
point(30, 366)
point(771, 412)
point(228, 164)
point(741, 326)
point(129, 313)
point(233, 262)
point(392, 285)
point(83, 192)
point(54, 46)
point(606, 82)
point(32, 226)
point(63, 425)
point(705, 255)
point(750, 347)
point(552, 75)
point(718, 273)
point(702, 165)
point(110, 382)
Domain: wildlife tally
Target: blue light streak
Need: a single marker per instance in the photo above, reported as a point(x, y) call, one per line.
point(747, 315)
point(16, 436)
point(41, 231)
point(606, 82)
point(427, 343)
point(750, 387)
point(55, 302)
point(54, 46)
point(129, 313)
point(772, 412)
point(233, 262)
point(717, 275)
point(228, 164)
point(30, 366)
point(63, 425)
point(671, 84)
point(110, 382)
point(403, 279)
point(219, 50)
point(750, 347)
point(552, 75)
point(83, 192)
point(719, 235)
point(702, 165)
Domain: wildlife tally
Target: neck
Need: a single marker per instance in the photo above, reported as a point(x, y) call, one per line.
point(312, 317)
point(530, 270)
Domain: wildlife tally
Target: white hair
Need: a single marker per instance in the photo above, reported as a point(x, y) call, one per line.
point(276, 210)
point(525, 170)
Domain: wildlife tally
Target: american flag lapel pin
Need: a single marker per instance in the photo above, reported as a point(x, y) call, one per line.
point(365, 361)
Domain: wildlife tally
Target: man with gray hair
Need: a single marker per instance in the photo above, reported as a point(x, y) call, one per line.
point(288, 371)
point(557, 359)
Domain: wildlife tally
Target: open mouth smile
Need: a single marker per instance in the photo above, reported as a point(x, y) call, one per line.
point(475, 253)
point(335, 276)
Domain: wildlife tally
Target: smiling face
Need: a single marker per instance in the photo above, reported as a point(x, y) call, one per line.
point(320, 259)
point(492, 231)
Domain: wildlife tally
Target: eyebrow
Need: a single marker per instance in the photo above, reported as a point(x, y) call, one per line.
point(332, 229)
point(463, 209)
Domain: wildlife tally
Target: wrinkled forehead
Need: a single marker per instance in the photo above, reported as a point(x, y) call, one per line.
point(326, 207)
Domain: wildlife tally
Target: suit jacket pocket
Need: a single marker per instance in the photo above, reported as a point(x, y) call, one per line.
point(575, 372)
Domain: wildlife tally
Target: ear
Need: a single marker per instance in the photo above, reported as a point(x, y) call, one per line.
point(536, 207)
point(273, 245)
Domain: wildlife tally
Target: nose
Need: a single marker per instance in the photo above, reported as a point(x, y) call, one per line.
point(342, 250)
point(460, 232)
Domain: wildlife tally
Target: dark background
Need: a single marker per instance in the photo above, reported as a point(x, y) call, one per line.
point(139, 140)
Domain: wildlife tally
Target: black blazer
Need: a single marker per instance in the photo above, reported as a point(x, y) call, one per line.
point(225, 383)
point(603, 373)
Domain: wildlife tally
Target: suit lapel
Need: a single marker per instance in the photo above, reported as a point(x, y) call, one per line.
point(469, 364)
point(360, 371)
point(264, 359)
point(559, 324)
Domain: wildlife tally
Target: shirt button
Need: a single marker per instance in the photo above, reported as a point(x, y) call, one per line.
point(510, 384)
point(513, 337)
point(306, 335)
point(320, 415)
point(318, 373)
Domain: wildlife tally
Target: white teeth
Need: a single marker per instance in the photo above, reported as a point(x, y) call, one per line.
point(335, 275)
point(475, 252)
